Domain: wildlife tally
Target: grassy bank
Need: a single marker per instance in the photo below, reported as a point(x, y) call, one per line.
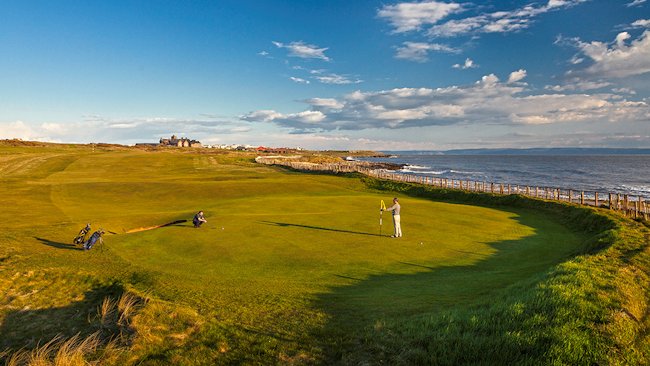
point(291, 269)
point(591, 309)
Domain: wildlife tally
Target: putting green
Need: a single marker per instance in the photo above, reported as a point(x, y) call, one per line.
point(286, 262)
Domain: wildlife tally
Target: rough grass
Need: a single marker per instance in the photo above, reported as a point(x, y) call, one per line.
point(290, 268)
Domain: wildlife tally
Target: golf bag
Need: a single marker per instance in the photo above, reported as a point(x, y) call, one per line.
point(81, 237)
point(97, 236)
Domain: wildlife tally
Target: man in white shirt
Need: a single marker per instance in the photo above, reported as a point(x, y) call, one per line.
point(396, 208)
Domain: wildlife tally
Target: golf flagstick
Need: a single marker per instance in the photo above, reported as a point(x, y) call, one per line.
point(382, 207)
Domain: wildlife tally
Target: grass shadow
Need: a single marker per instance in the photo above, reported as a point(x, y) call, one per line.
point(286, 224)
point(29, 328)
point(58, 245)
point(445, 314)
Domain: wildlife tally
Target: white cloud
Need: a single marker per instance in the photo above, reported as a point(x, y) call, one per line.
point(123, 125)
point(329, 103)
point(516, 76)
point(498, 22)
point(336, 79)
point(299, 80)
point(469, 64)
point(418, 51)
point(307, 116)
point(635, 3)
point(576, 60)
point(641, 23)
point(488, 81)
point(304, 118)
point(624, 91)
point(265, 115)
point(578, 85)
point(618, 59)
point(94, 128)
point(304, 50)
point(54, 127)
point(406, 17)
point(18, 130)
point(487, 101)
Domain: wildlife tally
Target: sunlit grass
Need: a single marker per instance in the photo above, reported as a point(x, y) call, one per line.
point(290, 268)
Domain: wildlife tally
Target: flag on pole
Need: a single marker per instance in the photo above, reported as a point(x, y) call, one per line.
point(382, 207)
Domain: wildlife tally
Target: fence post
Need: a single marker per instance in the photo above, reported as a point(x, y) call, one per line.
point(582, 197)
point(570, 195)
point(501, 190)
point(641, 202)
point(610, 201)
point(596, 199)
point(626, 203)
point(491, 187)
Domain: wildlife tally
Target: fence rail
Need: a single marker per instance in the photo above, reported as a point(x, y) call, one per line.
point(631, 206)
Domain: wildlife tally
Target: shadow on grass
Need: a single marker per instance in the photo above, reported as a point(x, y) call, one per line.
point(58, 245)
point(285, 224)
point(448, 314)
point(28, 328)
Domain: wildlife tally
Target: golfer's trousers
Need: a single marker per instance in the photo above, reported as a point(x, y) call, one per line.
point(397, 226)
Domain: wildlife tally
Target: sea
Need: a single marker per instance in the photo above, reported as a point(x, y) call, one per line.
point(625, 174)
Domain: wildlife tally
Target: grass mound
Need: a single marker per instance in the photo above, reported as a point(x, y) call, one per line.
point(592, 309)
point(291, 268)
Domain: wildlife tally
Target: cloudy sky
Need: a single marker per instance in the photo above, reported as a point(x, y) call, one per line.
point(328, 74)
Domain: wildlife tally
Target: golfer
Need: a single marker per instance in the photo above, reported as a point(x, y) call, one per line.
point(199, 219)
point(396, 208)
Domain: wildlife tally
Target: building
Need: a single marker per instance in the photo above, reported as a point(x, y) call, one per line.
point(182, 142)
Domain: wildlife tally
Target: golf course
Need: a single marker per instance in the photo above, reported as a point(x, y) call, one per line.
point(291, 267)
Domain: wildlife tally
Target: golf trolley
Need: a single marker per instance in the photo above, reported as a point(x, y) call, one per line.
point(95, 238)
point(81, 237)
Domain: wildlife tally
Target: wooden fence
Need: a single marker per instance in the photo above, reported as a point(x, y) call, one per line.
point(635, 207)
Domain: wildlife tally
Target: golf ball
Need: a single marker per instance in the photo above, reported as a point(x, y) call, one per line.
point(421, 243)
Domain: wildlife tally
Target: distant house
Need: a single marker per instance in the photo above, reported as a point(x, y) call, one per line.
point(180, 142)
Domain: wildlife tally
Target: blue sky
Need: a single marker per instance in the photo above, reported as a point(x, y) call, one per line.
point(328, 74)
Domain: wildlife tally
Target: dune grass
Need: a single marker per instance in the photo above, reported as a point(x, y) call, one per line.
point(290, 268)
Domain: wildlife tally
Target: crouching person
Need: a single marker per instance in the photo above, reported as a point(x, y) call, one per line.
point(199, 219)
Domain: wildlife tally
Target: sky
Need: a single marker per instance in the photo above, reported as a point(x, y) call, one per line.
point(330, 74)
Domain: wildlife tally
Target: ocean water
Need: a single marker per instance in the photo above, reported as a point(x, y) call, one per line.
point(628, 174)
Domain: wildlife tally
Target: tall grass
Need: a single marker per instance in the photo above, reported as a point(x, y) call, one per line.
point(105, 346)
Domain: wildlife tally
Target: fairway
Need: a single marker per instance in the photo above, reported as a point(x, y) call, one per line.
point(290, 267)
